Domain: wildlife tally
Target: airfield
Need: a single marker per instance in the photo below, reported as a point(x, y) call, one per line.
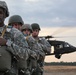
point(59, 70)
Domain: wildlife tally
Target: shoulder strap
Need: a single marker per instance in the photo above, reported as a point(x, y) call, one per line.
point(4, 30)
point(26, 37)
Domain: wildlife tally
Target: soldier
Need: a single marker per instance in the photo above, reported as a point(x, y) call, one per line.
point(5, 56)
point(46, 47)
point(27, 30)
point(34, 46)
point(16, 22)
point(12, 44)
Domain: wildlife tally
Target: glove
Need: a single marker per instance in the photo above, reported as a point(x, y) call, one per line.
point(2, 41)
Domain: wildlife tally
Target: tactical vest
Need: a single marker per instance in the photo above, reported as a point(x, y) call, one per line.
point(22, 64)
point(5, 59)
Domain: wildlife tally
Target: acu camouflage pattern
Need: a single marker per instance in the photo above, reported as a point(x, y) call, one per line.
point(16, 42)
point(35, 46)
point(20, 49)
point(45, 45)
point(17, 45)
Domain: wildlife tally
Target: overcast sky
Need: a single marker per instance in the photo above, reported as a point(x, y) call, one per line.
point(51, 15)
point(45, 12)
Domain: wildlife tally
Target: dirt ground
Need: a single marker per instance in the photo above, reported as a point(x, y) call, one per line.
point(61, 73)
point(59, 70)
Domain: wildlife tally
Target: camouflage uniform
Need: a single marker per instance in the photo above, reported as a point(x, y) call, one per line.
point(31, 61)
point(34, 46)
point(13, 45)
point(46, 48)
point(22, 64)
point(24, 50)
point(14, 37)
point(5, 56)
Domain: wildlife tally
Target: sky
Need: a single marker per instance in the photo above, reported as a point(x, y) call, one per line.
point(55, 17)
point(45, 12)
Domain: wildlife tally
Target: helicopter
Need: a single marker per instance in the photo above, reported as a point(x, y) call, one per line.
point(60, 47)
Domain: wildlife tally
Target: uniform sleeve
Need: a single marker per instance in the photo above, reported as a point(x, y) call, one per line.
point(35, 46)
point(45, 45)
point(19, 44)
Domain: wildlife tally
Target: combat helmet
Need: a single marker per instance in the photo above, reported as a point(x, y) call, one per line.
point(26, 26)
point(4, 6)
point(15, 19)
point(35, 26)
